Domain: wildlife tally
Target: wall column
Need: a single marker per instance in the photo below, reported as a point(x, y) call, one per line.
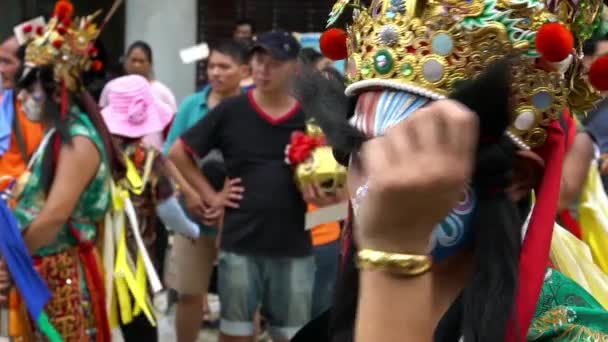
point(167, 26)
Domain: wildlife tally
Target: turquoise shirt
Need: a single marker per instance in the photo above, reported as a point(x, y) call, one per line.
point(193, 109)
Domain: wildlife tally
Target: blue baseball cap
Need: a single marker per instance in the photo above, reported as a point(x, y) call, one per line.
point(281, 45)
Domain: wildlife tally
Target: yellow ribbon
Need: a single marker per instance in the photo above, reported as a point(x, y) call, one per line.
point(128, 283)
point(573, 258)
point(128, 289)
point(593, 217)
point(137, 183)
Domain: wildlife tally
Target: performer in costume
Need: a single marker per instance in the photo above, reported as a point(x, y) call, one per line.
point(403, 55)
point(131, 114)
point(67, 193)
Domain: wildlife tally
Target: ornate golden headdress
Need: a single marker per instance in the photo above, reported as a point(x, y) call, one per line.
point(427, 47)
point(66, 43)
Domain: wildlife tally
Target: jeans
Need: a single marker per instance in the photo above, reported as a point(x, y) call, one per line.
point(326, 259)
point(283, 287)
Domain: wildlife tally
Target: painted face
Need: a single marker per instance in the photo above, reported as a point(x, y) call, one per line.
point(376, 111)
point(33, 101)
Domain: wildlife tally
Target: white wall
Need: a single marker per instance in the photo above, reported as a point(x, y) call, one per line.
point(168, 26)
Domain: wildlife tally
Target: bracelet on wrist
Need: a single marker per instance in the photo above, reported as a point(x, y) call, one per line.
point(399, 264)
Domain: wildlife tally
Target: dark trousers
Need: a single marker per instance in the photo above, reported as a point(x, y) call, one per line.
point(139, 330)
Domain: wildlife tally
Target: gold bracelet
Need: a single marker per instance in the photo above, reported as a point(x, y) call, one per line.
point(401, 264)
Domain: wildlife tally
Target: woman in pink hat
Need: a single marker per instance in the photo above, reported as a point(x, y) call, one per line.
point(131, 114)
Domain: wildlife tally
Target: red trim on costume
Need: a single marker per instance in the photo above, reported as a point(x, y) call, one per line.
point(272, 120)
point(535, 249)
point(347, 237)
point(570, 223)
point(93, 275)
point(569, 120)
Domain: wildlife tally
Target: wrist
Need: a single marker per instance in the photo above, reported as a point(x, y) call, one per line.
point(403, 243)
point(407, 265)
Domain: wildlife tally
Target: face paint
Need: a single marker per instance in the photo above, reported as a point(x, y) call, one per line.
point(377, 111)
point(455, 231)
point(33, 102)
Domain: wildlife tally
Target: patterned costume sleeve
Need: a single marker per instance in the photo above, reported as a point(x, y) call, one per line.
point(566, 312)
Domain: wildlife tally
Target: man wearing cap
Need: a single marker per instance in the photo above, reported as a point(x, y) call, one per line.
point(265, 253)
point(19, 135)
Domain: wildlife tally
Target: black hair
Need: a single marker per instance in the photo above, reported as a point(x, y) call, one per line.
point(85, 102)
point(309, 57)
point(246, 21)
point(488, 299)
point(145, 47)
point(233, 49)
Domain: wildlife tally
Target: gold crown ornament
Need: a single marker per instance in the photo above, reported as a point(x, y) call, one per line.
point(427, 47)
point(314, 161)
point(67, 43)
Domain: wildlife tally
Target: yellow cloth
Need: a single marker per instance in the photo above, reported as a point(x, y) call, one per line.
point(593, 217)
point(573, 258)
point(127, 278)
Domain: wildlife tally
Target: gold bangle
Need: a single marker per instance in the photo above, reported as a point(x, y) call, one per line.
point(401, 264)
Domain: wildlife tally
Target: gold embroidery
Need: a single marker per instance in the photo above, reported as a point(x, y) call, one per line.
point(563, 321)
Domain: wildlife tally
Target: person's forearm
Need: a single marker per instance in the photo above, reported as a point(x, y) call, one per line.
point(43, 231)
point(173, 173)
point(402, 309)
point(575, 170)
point(566, 196)
point(189, 172)
point(395, 309)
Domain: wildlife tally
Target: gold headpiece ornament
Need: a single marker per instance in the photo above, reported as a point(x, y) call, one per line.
point(427, 47)
point(314, 161)
point(66, 43)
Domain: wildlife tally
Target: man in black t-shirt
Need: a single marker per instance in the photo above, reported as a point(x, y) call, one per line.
point(265, 251)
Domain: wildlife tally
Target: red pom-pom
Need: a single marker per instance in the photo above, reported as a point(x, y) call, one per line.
point(62, 30)
point(93, 51)
point(64, 9)
point(97, 66)
point(27, 29)
point(333, 44)
point(554, 42)
point(57, 43)
point(40, 30)
point(598, 74)
point(67, 22)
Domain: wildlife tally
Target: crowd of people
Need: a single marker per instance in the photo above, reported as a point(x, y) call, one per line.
point(470, 148)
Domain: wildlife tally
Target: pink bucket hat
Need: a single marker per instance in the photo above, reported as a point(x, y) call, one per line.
point(132, 110)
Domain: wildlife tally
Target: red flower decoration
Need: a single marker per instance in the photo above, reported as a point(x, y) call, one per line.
point(27, 29)
point(301, 147)
point(62, 30)
point(97, 66)
point(57, 43)
point(333, 44)
point(40, 30)
point(64, 9)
